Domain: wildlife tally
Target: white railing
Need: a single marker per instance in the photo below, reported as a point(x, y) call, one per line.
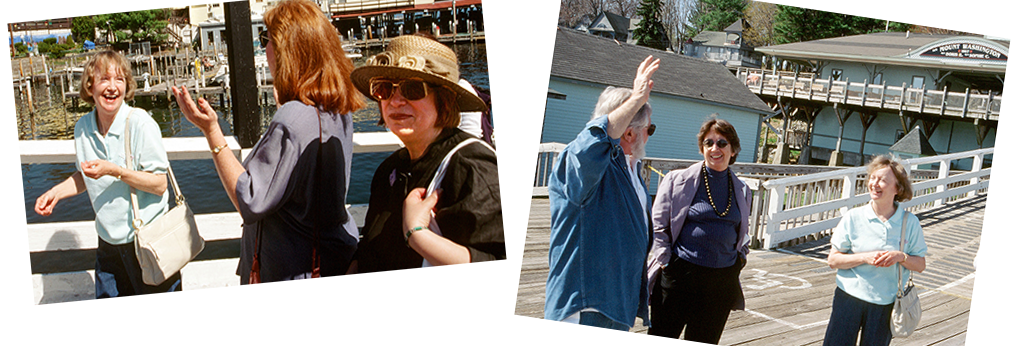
point(366, 5)
point(813, 197)
point(971, 104)
point(811, 205)
point(48, 239)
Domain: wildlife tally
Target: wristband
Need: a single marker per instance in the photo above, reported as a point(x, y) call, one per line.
point(407, 236)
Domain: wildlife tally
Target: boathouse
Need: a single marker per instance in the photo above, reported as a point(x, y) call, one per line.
point(375, 19)
point(686, 92)
point(848, 98)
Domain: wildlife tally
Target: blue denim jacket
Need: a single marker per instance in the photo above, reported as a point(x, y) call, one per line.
point(600, 234)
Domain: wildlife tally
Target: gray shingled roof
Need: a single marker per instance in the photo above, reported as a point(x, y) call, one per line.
point(737, 26)
point(711, 38)
point(594, 59)
point(620, 23)
point(883, 46)
point(914, 143)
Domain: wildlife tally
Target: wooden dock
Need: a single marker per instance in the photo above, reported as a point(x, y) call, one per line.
point(789, 291)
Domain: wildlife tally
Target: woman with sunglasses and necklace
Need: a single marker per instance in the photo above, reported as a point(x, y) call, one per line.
point(407, 226)
point(700, 243)
point(292, 187)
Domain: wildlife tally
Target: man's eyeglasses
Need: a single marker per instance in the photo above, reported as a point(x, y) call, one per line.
point(264, 38)
point(708, 143)
point(410, 89)
point(651, 129)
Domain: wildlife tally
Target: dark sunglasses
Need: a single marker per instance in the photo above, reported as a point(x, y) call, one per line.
point(410, 89)
point(264, 38)
point(708, 143)
point(651, 129)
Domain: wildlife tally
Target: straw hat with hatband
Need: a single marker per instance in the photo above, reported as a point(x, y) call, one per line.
point(417, 57)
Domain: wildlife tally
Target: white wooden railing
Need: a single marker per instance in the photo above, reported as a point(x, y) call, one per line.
point(813, 198)
point(972, 104)
point(811, 205)
point(52, 239)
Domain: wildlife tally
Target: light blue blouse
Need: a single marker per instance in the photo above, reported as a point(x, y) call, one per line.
point(111, 199)
point(860, 231)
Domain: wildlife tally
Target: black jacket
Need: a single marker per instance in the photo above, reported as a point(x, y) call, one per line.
point(468, 213)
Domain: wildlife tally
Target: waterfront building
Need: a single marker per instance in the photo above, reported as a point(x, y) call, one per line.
point(686, 92)
point(726, 47)
point(948, 85)
point(375, 19)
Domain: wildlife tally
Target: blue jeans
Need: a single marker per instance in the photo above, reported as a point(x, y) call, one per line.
point(851, 316)
point(597, 319)
point(118, 273)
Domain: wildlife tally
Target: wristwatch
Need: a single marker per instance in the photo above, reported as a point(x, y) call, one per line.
point(218, 148)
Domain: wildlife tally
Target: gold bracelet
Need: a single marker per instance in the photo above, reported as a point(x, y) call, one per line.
point(218, 148)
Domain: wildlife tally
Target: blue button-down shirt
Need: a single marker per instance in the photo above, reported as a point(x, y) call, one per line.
point(861, 231)
point(600, 233)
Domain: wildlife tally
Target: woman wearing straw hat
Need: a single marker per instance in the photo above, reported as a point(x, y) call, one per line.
point(415, 83)
point(291, 230)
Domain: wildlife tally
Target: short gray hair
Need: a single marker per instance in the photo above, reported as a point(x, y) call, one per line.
point(612, 98)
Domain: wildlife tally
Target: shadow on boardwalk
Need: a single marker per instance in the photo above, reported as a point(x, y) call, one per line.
point(789, 291)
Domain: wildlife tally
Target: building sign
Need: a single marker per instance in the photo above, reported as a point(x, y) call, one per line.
point(965, 51)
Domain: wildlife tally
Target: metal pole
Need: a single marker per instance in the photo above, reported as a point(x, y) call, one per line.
point(244, 98)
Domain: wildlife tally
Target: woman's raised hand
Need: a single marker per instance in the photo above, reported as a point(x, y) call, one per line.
point(200, 114)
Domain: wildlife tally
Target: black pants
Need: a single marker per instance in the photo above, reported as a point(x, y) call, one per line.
point(693, 298)
point(118, 273)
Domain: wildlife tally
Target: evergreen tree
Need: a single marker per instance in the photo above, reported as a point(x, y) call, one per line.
point(794, 24)
point(650, 31)
point(83, 28)
point(716, 15)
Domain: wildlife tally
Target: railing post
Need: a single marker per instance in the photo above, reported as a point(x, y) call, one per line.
point(945, 93)
point(974, 167)
point(849, 190)
point(943, 173)
point(864, 95)
point(775, 198)
point(881, 97)
point(966, 103)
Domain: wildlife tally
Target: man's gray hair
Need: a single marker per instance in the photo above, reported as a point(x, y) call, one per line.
point(612, 98)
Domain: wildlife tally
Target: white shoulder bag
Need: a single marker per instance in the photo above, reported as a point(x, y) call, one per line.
point(170, 241)
point(906, 313)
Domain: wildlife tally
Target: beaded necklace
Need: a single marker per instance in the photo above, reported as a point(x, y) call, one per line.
point(729, 196)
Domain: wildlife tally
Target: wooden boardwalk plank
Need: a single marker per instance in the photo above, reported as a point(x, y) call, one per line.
point(789, 291)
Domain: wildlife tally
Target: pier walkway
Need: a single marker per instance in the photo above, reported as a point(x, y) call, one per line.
point(789, 290)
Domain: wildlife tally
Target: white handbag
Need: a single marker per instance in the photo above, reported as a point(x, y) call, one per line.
point(906, 312)
point(170, 241)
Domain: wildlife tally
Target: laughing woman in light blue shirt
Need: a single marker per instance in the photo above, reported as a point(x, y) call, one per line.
point(99, 140)
point(865, 250)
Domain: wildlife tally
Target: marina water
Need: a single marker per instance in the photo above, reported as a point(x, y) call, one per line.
point(197, 178)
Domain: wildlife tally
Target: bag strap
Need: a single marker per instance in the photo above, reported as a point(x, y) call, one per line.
point(899, 272)
point(136, 222)
point(441, 171)
point(317, 225)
